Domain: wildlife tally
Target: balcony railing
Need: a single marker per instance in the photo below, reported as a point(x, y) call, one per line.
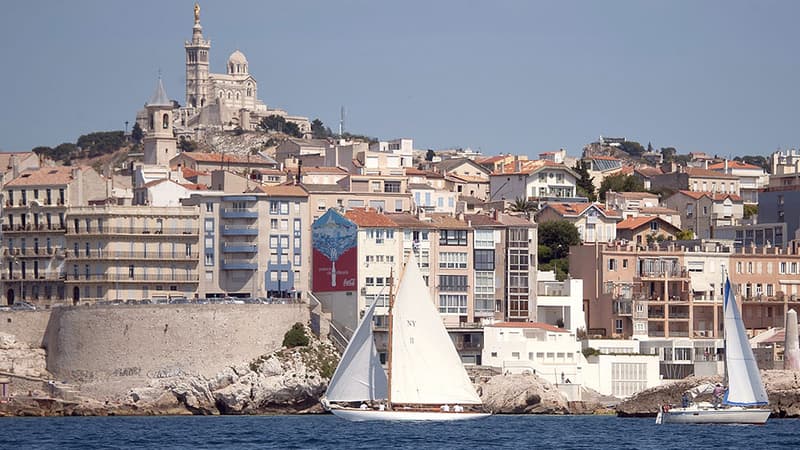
point(125, 277)
point(239, 248)
point(97, 254)
point(134, 230)
point(239, 213)
point(239, 231)
point(239, 264)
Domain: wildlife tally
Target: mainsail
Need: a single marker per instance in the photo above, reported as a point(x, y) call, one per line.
point(744, 381)
point(425, 367)
point(359, 375)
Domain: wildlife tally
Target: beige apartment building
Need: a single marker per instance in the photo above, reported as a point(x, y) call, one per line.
point(253, 244)
point(34, 219)
point(672, 291)
point(130, 253)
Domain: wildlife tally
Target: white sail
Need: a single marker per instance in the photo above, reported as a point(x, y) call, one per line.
point(744, 381)
point(359, 375)
point(426, 368)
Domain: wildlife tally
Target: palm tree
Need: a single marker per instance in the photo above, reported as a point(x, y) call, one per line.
point(524, 206)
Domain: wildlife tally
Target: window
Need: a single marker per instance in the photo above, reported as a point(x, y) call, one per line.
point(618, 326)
point(453, 237)
point(452, 303)
point(453, 283)
point(484, 239)
point(452, 260)
point(209, 258)
point(484, 259)
point(391, 186)
point(612, 264)
point(625, 263)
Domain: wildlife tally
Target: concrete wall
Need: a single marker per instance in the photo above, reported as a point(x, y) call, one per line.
point(95, 343)
point(27, 326)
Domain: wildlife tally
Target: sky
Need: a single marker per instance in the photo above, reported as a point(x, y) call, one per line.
point(499, 77)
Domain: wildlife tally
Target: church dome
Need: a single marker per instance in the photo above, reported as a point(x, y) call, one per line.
point(237, 63)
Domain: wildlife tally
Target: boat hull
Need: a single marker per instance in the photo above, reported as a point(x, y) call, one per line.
point(360, 415)
point(734, 414)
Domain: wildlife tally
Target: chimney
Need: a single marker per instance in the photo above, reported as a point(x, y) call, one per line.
point(297, 179)
point(705, 164)
point(726, 166)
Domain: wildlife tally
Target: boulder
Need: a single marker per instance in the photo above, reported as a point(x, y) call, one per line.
point(521, 394)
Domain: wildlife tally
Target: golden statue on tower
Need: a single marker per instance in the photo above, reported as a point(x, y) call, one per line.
point(196, 13)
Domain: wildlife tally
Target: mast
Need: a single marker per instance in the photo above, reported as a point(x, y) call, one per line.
point(389, 341)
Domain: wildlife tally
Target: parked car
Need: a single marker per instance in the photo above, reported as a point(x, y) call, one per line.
point(23, 306)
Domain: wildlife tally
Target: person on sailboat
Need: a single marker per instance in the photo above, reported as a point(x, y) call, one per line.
point(717, 394)
point(445, 408)
point(363, 406)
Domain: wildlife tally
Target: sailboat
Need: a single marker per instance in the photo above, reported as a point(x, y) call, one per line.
point(425, 379)
point(744, 400)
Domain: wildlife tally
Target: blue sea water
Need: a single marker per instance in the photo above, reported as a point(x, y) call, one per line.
point(312, 432)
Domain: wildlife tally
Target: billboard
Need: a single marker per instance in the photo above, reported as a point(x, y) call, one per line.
point(334, 262)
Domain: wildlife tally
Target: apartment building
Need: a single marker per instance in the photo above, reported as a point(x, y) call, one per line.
point(677, 291)
point(752, 178)
point(34, 220)
point(238, 228)
point(534, 180)
point(703, 212)
point(594, 222)
point(130, 253)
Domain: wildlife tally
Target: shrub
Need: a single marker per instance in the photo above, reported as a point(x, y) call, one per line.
point(296, 336)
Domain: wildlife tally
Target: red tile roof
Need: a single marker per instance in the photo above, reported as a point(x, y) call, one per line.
point(530, 167)
point(632, 223)
point(733, 165)
point(704, 173)
point(577, 209)
point(369, 218)
point(539, 325)
point(45, 176)
point(224, 158)
point(649, 171)
point(716, 196)
point(284, 190)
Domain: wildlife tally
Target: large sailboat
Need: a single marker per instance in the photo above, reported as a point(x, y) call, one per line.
point(425, 379)
point(745, 397)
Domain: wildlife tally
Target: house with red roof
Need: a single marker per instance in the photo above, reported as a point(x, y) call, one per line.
point(702, 212)
point(539, 180)
point(752, 178)
point(594, 222)
point(643, 230)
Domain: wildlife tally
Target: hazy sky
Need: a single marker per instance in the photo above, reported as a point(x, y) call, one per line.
point(500, 76)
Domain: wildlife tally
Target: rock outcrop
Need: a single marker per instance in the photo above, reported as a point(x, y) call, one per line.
point(783, 388)
point(521, 394)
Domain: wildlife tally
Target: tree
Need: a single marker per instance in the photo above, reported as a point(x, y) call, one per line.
point(273, 123)
point(558, 235)
point(620, 183)
point(521, 205)
point(649, 148)
point(757, 160)
point(668, 153)
point(684, 235)
point(632, 148)
point(750, 211)
point(296, 336)
point(136, 133)
point(429, 155)
point(187, 145)
point(585, 183)
point(292, 129)
point(319, 130)
point(101, 142)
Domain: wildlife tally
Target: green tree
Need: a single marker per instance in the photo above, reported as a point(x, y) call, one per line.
point(136, 133)
point(187, 145)
point(273, 123)
point(319, 130)
point(585, 183)
point(684, 235)
point(668, 153)
point(558, 235)
point(620, 183)
point(750, 211)
point(296, 336)
point(632, 148)
point(292, 129)
point(524, 206)
point(101, 142)
point(429, 155)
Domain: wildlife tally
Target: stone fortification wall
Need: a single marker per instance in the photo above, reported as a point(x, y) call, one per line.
point(89, 344)
point(26, 326)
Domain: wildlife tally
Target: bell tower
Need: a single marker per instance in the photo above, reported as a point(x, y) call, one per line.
point(160, 145)
point(197, 49)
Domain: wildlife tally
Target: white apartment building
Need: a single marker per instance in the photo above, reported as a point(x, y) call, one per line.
point(560, 303)
point(540, 179)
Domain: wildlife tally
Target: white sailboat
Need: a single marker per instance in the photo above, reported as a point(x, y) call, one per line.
point(426, 380)
point(745, 395)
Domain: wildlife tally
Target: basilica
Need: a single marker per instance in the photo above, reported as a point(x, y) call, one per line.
point(226, 101)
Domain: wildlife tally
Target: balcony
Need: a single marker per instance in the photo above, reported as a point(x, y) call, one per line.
point(239, 231)
point(239, 264)
point(136, 278)
point(95, 254)
point(141, 231)
point(239, 248)
point(622, 307)
point(239, 213)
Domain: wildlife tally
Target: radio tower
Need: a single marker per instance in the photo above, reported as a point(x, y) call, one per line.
point(341, 121)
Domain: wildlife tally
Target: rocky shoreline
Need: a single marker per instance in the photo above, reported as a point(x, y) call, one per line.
point(291, 381)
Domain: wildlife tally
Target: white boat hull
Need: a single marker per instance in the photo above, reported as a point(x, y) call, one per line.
point(733, 414)
point(360, 415)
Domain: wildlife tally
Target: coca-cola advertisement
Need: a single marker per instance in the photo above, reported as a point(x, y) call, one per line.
point(335, 253)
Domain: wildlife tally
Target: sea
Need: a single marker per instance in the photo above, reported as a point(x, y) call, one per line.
point(329, 432)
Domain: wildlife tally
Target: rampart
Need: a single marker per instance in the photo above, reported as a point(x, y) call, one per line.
point(89, 344)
